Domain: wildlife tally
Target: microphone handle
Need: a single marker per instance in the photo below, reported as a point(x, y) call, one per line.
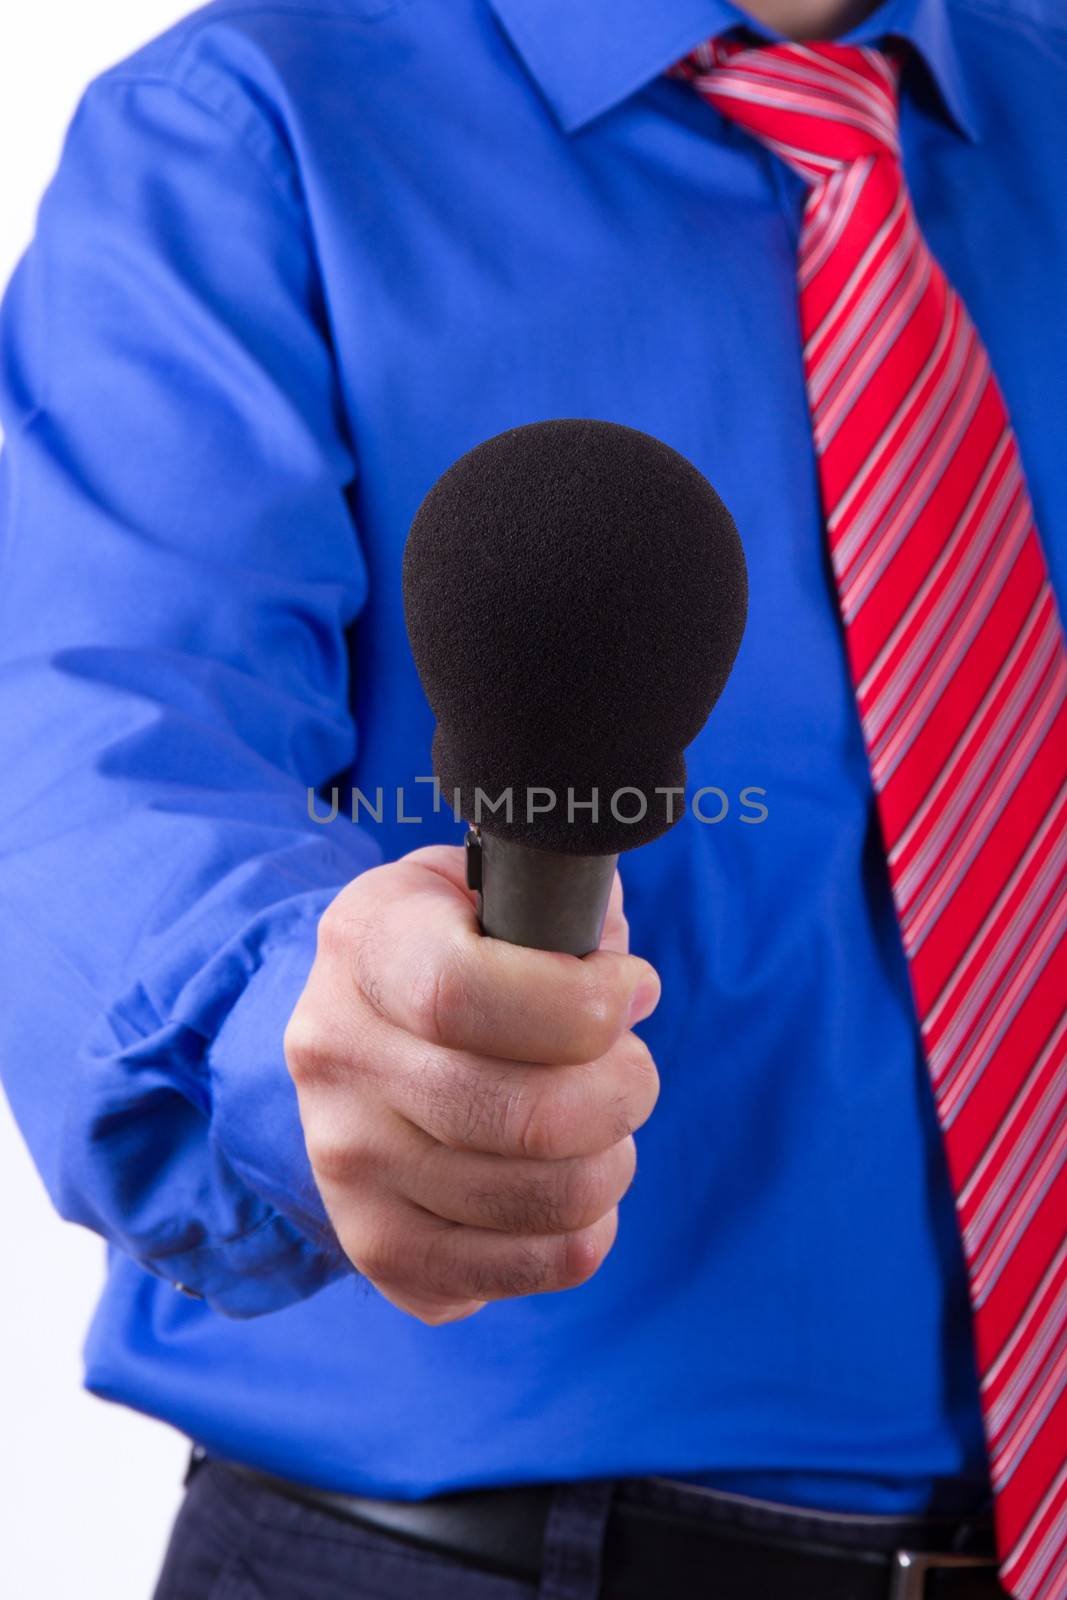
point(544, 899)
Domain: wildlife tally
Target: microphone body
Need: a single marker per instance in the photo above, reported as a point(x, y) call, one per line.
point(544, 899)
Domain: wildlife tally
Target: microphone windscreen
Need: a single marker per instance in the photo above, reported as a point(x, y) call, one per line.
point(575, 595)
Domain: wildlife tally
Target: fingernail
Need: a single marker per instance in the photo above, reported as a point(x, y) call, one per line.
point(644, 1002)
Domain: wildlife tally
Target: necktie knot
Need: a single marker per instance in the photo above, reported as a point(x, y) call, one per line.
point(820, 106)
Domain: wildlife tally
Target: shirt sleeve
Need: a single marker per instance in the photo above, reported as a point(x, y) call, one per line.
point(178, 570)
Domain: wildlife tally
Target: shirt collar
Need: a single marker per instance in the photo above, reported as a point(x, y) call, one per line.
point(588, 55)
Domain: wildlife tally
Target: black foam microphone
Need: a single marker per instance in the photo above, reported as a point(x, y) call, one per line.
point(575, 595)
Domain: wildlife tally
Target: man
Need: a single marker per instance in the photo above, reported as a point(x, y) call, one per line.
point(294, 262)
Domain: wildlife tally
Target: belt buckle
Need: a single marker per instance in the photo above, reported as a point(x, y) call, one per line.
point(909, 1569)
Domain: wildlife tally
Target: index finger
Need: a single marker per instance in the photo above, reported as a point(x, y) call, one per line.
point(426, 967)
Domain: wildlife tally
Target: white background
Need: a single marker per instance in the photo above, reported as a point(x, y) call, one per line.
point(87, 1490)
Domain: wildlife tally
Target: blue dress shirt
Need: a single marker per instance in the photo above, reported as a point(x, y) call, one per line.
point(295, 260)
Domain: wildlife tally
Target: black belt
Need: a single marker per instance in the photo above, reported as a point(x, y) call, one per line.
point(748, 1549)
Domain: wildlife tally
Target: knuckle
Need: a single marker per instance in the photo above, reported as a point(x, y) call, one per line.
point(636, 1087)
point(332, 1158)
point(335, 932)
point(589, 1192)
point(349, 937)
point(582, 1255)
point(542, 1126)
point(620, 1167)
point(437, 1267)
point(599, 1017)
point(385, 1255)
point(645, 1074)
point(507, 1113)
point(440, 998)
point(306, 1053)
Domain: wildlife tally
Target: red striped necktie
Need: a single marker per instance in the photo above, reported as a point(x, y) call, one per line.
point(959, 664)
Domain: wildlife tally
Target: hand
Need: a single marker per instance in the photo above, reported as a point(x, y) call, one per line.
point(468, 1105)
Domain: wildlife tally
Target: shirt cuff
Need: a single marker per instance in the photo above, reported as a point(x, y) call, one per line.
point(272, 1266)
point(291, 1250)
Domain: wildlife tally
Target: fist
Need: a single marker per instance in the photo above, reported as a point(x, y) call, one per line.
point(468, 1105)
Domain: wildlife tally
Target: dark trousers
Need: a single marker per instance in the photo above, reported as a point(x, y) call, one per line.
point(236, 1540)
